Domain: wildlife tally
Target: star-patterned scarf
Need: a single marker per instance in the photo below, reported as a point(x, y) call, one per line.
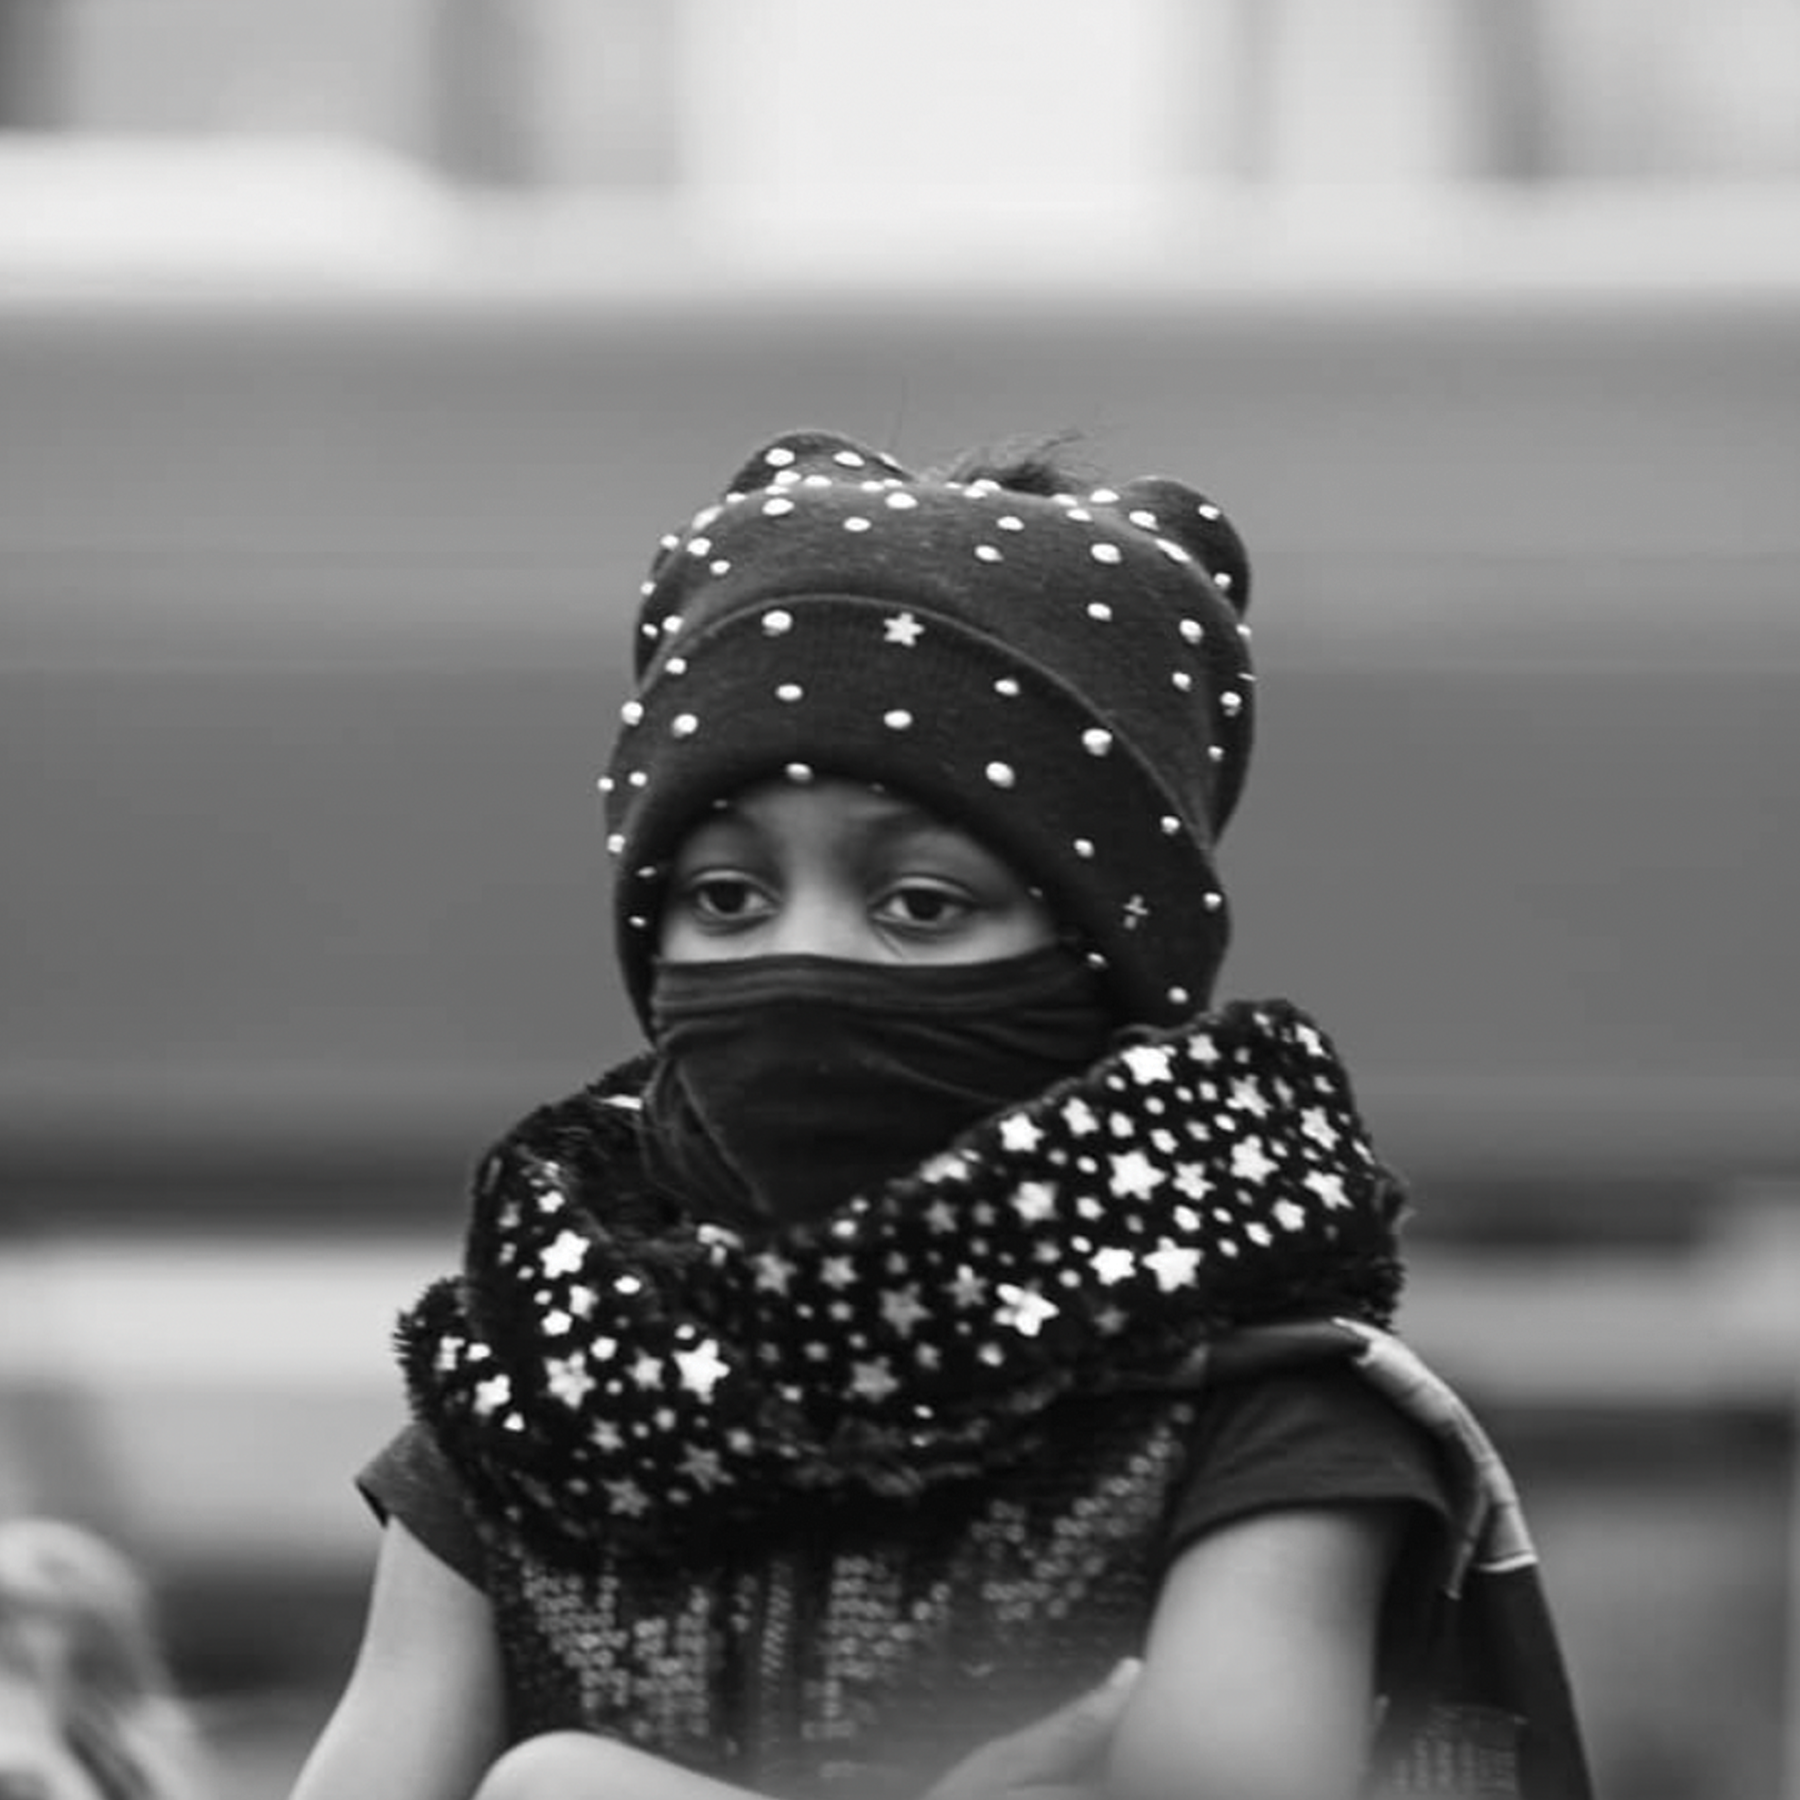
point(607, 1367)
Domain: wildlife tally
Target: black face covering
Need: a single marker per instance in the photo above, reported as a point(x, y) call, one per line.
point(785, 1084)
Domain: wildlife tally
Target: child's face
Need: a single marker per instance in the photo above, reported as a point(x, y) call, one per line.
point(833, 868)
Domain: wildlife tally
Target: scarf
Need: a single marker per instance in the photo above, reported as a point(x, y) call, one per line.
point(606, 1369)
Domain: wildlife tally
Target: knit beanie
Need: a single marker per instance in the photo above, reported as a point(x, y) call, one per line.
point(1066, 677)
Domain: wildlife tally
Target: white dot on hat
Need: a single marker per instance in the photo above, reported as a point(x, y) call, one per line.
point(605, 784)
point(1183, 680)
point(1007, 688)
point(1178, 996)
point(1105, 495)
point(897, 720)
point(1000, 774)
point(676, 665)
point(1244, 633)
point(1215, 753)
point(1207, 510)
point(668, 540)
point(1173, 551)
point(1080, 514)
point(1140, 515)
point(704, 517)
point(777, 620)
point(1106, 553)
point(1232, 703)
point(684, 725)
point(1192, 630)
point(779, 457)
point(850, 459)
point(987, 553)
point(1098, 609)
point(638, 922)
point(720, 565)
point(637, 778)
point(856, 523)
point(816, 481)
point(902, 502)
point(1212, 902)
point(615, 843)
point(777, 505)
point(632, 711)
point(1096, 742)
point(872, 485)
point(1010, 522)
point(699, 546)
point(785, 478)
point(647, 587)
point(1084, 848)
point(1170, 824)
point(800, 773)
point(789, 692)
point(1222, 580)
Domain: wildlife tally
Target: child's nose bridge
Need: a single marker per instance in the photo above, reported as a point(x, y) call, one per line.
point(819, 917)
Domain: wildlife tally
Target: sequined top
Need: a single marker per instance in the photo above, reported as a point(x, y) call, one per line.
point(1292, 1438)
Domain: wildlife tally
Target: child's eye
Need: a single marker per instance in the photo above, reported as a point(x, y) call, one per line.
point(921, 906)
point(725, 900)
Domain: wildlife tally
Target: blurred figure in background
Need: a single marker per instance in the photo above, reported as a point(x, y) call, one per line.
point(88, 1708)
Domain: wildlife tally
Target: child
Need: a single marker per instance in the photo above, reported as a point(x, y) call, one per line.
point(88, 1710)
point(950, 1305)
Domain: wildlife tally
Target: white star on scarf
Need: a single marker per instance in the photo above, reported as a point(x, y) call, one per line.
point(1019, 1133)
point(1024, 1309)
point(968, 1287)
point(568, 1380)
point(1035, 1201)
point(628, 1498)
point(1135, 1176)
point(1250, 1161)
point(773, 1273)
point(1329, 1188)
point(702, 1368)
point(903, 1310)
point(1148, 1062)
point(1191, 1179)
point(1079, 1118)
point(563, 1254)
point(1113, 1265)
point(1174, 1265)
point(903, 630)
point(873, 1380)
point(1316, 1125)
point(1246, 1096)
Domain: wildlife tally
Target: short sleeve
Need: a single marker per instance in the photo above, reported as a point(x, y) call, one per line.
point(1301, 1438)
point(412, 1481)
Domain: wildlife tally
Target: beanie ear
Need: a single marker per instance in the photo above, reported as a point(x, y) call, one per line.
point(1180, 515)
point(795, 455)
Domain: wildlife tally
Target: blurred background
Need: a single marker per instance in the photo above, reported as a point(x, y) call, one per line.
point(354, 354)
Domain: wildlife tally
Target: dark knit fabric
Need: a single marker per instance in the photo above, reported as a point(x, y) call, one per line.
point(1067, 678)
point(608, 1369)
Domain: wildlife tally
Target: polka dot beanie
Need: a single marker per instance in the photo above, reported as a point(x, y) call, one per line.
point(1066, 677)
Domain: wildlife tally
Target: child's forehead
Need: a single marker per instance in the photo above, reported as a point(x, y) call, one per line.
point(829, 804)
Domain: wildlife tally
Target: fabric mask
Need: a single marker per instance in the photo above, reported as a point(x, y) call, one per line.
point(785, 1084)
